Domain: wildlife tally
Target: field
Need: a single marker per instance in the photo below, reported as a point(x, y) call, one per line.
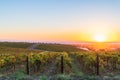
point(33, 61)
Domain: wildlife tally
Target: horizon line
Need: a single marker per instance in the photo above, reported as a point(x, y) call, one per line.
point(61, 42)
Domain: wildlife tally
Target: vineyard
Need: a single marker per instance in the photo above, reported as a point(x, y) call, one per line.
point(15, 44)
point(57, 62)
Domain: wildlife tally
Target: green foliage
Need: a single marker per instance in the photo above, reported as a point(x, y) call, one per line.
point(66, 62)
point(61, 77)
point(107, 78)
point(107, 60)
point(18, 75)
point(58, 47)
point(117, 77)
point(15, 44)
point(43, 78)
point(88, 78)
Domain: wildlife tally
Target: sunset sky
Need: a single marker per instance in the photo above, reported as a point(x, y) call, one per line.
point(60, 20)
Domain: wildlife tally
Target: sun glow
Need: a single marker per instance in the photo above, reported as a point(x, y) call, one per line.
point(100, 38)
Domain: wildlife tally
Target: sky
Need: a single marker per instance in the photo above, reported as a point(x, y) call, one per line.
point(60, 20)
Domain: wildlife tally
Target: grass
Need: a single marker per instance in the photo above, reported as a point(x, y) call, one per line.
point(21, 75)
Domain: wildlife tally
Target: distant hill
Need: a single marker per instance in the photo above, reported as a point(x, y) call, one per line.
point(57, 47)
point(15, 44)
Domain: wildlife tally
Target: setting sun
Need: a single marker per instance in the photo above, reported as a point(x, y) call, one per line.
point(100, 38)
